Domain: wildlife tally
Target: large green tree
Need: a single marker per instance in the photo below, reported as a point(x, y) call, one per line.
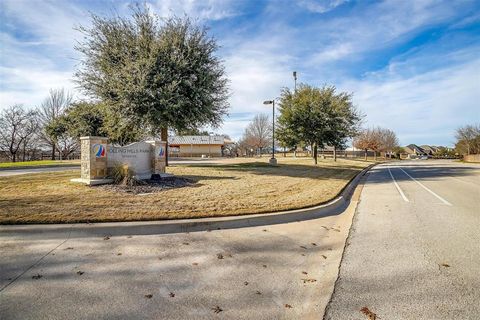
point(316, 117)
point(344, 118)
point(152, 73)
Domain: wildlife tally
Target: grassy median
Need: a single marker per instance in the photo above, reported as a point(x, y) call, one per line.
point(227, 188)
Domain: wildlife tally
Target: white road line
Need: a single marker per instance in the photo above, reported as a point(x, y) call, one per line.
point(398, 187)
point(424, 187)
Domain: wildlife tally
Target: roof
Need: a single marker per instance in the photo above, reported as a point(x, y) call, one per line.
point(190, 140)
point(415, 149)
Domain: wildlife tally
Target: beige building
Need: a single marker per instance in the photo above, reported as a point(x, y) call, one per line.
point(196, 146)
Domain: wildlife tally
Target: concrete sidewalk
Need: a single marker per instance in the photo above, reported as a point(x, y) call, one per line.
point(283, 271)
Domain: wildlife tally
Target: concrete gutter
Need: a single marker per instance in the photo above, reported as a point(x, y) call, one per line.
point(80, 230)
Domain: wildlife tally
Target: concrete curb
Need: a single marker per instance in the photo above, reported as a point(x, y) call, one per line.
point(79, 230)
point(66, 166)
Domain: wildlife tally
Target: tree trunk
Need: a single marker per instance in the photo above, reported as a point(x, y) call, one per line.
point(164, 137)
point(366, 154)
point(315, 153)
point(24, 149)
point(334, 153)
point(53, 152)
point(375, 155)
point(14, 157)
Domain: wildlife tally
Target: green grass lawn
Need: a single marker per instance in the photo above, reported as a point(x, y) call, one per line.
point(38, 163)
point(231, 187)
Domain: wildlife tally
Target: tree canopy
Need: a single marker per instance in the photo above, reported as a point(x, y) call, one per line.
point(316, 117)
point(468, 139)
point(153, 73)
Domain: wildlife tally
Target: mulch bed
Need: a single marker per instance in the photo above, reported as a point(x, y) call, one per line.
point(148, 186)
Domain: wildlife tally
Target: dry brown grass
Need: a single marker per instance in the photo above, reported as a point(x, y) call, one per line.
point(226, 188)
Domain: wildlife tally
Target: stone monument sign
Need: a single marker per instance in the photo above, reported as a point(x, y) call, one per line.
point(98, 158)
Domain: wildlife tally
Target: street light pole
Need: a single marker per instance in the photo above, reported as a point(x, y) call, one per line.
point(295, 79)
point(272, 161)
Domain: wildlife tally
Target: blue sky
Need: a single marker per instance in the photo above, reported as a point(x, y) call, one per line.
point(413, 66)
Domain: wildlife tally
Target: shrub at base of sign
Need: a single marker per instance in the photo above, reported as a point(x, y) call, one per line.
point(143, 187)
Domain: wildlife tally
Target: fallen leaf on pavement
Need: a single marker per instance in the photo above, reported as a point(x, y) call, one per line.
point(288, 306)
point(303, 254)
point(258, 292)
point(303, 247)
point(37, 276)
point(186, 243)
point(195, 263)
point(314, 244)
point(106, 238)
point(368, 313)
point(171, 294)
point(264, 265)
point(304, 272)
point(217, 309)
point(324, 256)
point(119, 254)
point(446, 265)
point(148, 296)
point(246, 283)
point(219, 256)
point(308, 280)
point(69, 248)
point(264, 230)
point(80, 272)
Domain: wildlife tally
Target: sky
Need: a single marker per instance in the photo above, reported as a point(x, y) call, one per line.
point(412, 66)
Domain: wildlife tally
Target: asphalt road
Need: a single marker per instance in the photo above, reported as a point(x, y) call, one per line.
point(16, 171)
point(283, 271)
point(414, 247)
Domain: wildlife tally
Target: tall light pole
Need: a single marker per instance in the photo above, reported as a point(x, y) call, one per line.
point(272, 161)
point(295, 79)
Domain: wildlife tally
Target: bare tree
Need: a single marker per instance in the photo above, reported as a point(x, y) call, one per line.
point(369, 139)
point(376, 139)
point(258, 133)
point(51, 109)
point(389, 140)
point(468, 139)
point(16, 126)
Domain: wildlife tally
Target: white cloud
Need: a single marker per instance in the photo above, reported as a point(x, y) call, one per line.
point(200, 9)
point(377, 26)
point(320, 6)
point(424, 108)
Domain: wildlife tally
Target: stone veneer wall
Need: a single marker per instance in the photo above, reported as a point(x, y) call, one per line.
point(93, 166)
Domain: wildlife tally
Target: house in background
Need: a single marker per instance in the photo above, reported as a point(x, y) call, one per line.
point(197, 146)
point(413, 151)
point(430, 150)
